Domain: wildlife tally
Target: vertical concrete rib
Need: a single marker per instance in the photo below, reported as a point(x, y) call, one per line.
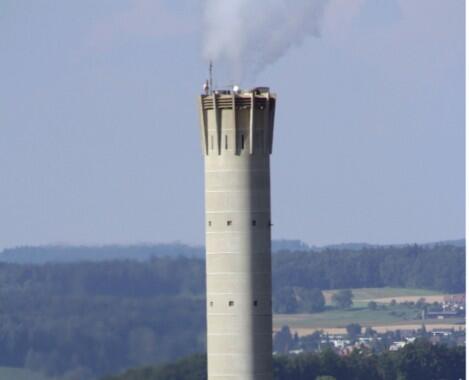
point(203, 127)
point(235, 124)
point(251, 124)
point(217, 111)
point(238, 239)
point(271, 126)
point(267, 128)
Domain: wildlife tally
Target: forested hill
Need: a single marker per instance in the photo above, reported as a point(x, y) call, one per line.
point(417, 361)
point(70, 253)
point(439, 267)
point(88, 319)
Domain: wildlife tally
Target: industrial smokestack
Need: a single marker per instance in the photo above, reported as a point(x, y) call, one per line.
point(236, 133)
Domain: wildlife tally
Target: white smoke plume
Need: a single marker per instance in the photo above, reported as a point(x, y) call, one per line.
point(248, 35)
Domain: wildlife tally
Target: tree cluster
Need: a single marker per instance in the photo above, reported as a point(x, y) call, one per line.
point(290, 300)
point(436, 267)
point(86, 319)
point(343, 298)
point(417, 361)
point(91, 318)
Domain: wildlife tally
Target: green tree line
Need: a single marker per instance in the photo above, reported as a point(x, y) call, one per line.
point(91, 318)
point(416, 361)
point(438, 267)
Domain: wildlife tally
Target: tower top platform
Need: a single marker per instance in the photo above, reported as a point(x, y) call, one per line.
point(237, 121)
point(235, 98)
point(235, 90)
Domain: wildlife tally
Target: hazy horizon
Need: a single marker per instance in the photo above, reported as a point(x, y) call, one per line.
point(99, 135)
point(195, 245)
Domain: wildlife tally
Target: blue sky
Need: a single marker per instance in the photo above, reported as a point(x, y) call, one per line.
point(99, 127)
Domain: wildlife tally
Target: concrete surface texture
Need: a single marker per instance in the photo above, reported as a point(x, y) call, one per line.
point(236, 135)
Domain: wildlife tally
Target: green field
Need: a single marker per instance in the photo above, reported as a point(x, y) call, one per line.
point(366, 318)
point(372, 293)
point(359, 312)
point(10, 373)
point(341, 318)
point(363, 295)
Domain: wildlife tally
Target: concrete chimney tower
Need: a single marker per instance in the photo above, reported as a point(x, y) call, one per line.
point(237, 131)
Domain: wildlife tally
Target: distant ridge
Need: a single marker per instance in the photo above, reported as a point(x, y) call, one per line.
point(69, 253)
point(141, 252)
point(359, 246)
point(298, 245)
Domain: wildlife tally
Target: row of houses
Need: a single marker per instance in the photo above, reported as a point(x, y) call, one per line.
point(344, 345)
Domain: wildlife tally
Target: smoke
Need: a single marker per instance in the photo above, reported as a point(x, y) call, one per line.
point(248, 35)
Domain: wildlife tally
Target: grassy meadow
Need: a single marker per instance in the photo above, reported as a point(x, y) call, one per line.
point(11, 373)
point(383, 318)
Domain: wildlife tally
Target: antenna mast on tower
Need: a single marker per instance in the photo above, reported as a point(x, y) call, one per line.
point(210, 76)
